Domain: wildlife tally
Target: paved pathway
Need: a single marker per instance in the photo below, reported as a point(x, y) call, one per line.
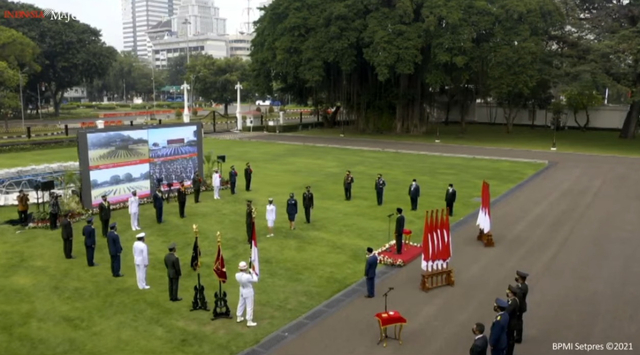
point(574, 228)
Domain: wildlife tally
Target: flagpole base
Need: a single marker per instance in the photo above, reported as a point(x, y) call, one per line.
point(221, 309)
point(199, 302)
point(486, 238)
point(437, 278)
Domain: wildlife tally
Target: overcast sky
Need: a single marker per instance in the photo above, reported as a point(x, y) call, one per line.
point(106, 15)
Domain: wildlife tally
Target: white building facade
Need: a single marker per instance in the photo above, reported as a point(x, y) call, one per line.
point(203, 17)
point(240, 45)
point(165, 49)
point(138, 16)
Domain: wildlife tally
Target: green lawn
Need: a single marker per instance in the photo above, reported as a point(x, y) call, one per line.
point(56, 306)
point(591, 142)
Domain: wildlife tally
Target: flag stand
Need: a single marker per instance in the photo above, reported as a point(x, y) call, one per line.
point(435, 279)
point(221, 309)
point(485, 238)
point(199, 302)
point(437, 252)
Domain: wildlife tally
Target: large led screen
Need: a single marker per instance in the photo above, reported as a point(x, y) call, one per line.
point(117, 161)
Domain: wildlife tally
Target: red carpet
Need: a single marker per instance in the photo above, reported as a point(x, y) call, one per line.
point(387, 254)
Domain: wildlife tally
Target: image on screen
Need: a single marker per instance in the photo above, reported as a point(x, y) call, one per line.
point(167, 143)
point(118, 183)
point(115, 149)
point(174, 171)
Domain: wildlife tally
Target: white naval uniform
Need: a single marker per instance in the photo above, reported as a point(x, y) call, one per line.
point(134, 208)
point(141, 260)
point(216, 186)
point(271, 215)
point(246, 281)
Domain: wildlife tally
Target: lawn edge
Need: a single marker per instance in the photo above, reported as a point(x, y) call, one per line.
point(289, 332)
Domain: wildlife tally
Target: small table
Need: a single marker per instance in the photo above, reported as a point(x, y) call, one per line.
point(388, 319)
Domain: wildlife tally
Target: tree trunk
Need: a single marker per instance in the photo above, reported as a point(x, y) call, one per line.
point(533, 113)
point(586, 124)
point(575, 119)
point(509, 116)
point(57, 101)
point(631, 121)
point(226, 109)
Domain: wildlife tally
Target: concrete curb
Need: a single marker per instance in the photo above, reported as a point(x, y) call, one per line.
point(287, 333)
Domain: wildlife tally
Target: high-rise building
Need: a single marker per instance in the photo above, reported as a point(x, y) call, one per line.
point(138, 16)
point(203, 16)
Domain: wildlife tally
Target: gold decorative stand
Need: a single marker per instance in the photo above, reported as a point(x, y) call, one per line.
point(435, 279)
point(485, 238)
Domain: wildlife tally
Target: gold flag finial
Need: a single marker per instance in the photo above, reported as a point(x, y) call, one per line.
point(195, 229)
point(219, 235)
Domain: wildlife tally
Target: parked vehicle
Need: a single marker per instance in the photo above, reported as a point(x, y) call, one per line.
point(263, 103)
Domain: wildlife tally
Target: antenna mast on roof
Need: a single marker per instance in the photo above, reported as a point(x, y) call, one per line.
point(248, 10)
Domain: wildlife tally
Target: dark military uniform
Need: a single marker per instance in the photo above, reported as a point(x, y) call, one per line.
point(348, 181)
point(104, 211)
point(524, 291)
point(379, 186)
point(414, 194)
point(158, 205)
point(196, 183)
point(89, 234)
point(399, 230)
point(174, 272)
point(498, 336)
point(67, 237)
point(247, 177)
point(450, 199)
point(115, 249)
point(233, 177)
point(307, 203)
point(182, 200)
point(250, 220)
point(513, 309)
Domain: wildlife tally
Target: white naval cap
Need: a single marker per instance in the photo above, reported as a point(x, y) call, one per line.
point(141, 235)
point(242, 265)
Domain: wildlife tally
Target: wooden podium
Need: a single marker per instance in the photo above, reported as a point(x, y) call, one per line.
point(438, 278)
point(485, 238)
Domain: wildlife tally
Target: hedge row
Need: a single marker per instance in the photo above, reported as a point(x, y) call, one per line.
point(112, 106)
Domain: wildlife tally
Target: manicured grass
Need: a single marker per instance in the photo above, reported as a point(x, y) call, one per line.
point(591, 142)
point(56, 306)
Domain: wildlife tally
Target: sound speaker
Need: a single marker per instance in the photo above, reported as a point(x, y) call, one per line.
point(47, 185)
point(222, 158)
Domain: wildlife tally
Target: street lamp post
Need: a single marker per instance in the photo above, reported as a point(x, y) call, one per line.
point(153, 81)
point(187, 23)
point(21, 99)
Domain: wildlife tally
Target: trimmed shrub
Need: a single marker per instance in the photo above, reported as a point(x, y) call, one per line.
point(258, 109)
point(123, 105)
point(178, 114)
point(106, 107)
point(176, 105)
point(68, 107)
point(271, 110)
point(140, 106)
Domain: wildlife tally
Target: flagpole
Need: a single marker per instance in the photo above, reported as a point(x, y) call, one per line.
point(199, 302)
point(221, 309)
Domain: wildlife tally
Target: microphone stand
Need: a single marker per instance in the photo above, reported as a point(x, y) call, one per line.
point(385, 299)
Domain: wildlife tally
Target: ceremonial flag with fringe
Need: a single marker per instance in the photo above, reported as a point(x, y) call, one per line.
point(426, 244)
point(218, 267)
point(449, 242)
point(195, 256)
point(487, 225)
point(255, 265)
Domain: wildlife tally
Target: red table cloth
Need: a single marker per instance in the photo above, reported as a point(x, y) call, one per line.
point(390, 318)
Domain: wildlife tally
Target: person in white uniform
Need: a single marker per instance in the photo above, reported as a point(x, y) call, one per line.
point(141, 260)
point(216, 184)
point(134, 208)
point(246, 278)
point(271, 217)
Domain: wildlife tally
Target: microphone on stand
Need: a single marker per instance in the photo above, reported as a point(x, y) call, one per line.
point(391, 215)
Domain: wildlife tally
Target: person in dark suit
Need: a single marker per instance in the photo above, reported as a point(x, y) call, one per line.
point(54, 210)
point(233, 178)
point(379, 186)
point(158, 204)
point(307, 203)
point(292, 211)
point(480, 343)
point(399, 229)
point(370, 272)
point(172, 263)
point(66, 229)
point(115, 249)
point(521, 279)
point(450, 198)
point(247, 177)
point(104, 212)
point(348, 183)
point(250, 220)
point(513, 309)
point(182, 199)
point(414, 194)
point(196, 183)
point(89, 234)
point(498, 335)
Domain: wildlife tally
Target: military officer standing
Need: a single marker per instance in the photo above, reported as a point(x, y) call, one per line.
point(250, 220)
point(115, 249)
point(141, 261)
point(498, 335)
point(174, 272)
point(67, 236)
point(348, 182)
point(370, 272)
point(104, 211)
point(182, 199)
point(380, 184)
point(450, 198)
point(399, 230)
point(414, 194)
point(216, 179)
point(248, 172)
point(89, 234)
point(307, 203)
point(513, 309)
point(292, 211)
point(521, 279)
point(233, 177)
point(158, 204)
point(134, 210)
point(246, 278)
point(196, 183)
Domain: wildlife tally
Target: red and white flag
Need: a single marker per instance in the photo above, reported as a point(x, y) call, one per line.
point(447, 225)
point(426, 245)
point(439, 241)
point(255, 264)
point(484, 214)
point(446, 231)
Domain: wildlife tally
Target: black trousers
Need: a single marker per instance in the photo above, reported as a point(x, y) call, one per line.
point(496, 351)
point(250, 233)
point(181, 206)
point(115, 265)
point(173, 288)
point(519, 328)
point(414, 203)
point(399, 243)
point(232, 185)
point(347, 193)
point(196, 195)
point(67, 247)
point(53, 220)
point(23, 216)
point(379, 194)
point(450, 208)
point(159, 215)
point(371, 286)
point(105, 227)
point(307, 214)
point(247, 184)
point(90, 253)
point(511, 339)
